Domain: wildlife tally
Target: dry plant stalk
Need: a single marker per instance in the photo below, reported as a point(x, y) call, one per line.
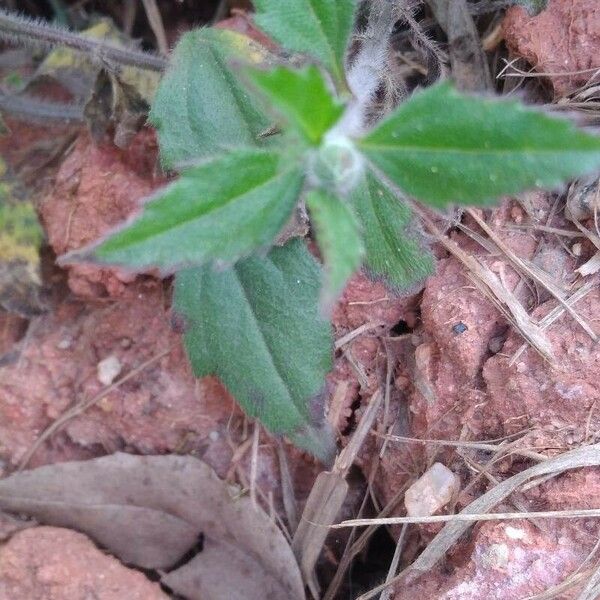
point(326, 498)
point(457, 525)
point(491, 286)
point(16, 29)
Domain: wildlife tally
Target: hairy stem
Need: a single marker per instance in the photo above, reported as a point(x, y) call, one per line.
point(368, 67)
point(35, 33)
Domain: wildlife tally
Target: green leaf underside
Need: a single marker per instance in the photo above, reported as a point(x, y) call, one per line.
point(257, 328)
point(200, 107)
point(301, 97)
point(441, 146)
point(534, 7)
point(339, 238)
point(318, 28)
point(217, 212)
point(393, 253)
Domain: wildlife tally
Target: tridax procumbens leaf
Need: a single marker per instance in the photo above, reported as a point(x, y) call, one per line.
point(257, 327)
point(200, 107)
point(339, 238)
point(217, 212)
point(442, 146)
point(394, 252)
point(301, 97)
point(534, 7)
point(319, 28)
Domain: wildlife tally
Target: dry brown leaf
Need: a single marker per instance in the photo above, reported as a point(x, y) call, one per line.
point(150, 510)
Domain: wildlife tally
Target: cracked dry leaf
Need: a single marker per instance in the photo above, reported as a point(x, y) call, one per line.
point(150, 510)
point(78, 74)
point(112, 96)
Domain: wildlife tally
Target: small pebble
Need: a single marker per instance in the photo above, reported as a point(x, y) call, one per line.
point(433, 490)
point(496, 343)
point(64, 344)
point(108, 369)
point(459, 328)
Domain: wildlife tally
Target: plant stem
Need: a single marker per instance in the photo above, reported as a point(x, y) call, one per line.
point(40, 110)
point(36, 33)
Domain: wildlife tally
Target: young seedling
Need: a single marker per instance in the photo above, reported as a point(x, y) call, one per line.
point(254, 314)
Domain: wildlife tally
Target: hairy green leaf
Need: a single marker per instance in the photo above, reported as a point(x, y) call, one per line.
point(441, 146)
point(339, 239)
point(534, 7)
point(200, 107)
point(394, 253)
point(301, 97)
point(319, 28)
point(257, 328)
point(218, 212)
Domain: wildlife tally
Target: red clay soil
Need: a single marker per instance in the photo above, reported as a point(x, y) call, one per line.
point(53, 563)
point(96, 188)
point(564, 38)
point(453, 376)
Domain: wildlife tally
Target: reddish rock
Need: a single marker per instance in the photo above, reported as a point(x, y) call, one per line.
point(163, 409)
point(9, 525)
point(564, 38)
point(360, 364)
point(504, 561)
point(53, 563)
point(454, 379)
point(558, 400)
point(367, 301)
point(96, 188)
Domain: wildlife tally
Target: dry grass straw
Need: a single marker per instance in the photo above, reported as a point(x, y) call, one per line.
point(478, 510)
point(533, 272)
point(352, 550)
point(462, 518)
point(557, 312)
point(157, 26)
point(326, 498)
point(493, 289)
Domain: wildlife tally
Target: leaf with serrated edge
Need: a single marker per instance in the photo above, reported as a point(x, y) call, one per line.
point(339, 239)
point(301, 97)
point(200, 107)
point(394, 253)
point(534, 7)
point(318, 28)
point(257, 327)
point(150, 510)
point(442, 146)
point(217, 212)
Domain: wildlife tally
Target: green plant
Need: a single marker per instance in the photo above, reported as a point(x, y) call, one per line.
point(252, 301)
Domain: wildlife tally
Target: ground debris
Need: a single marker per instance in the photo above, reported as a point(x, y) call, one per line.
point(431, 492)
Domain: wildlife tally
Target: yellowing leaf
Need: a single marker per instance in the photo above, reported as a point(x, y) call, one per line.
point(20, 239)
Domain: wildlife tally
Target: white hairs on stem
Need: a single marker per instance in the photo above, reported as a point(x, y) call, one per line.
point(36, 33)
